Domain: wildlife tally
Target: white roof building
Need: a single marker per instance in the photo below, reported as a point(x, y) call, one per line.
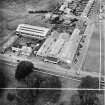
point(32, 30)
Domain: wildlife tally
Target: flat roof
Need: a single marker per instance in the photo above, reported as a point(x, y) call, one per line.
point(32, 30)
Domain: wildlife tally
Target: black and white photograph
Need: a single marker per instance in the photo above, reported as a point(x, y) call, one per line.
point(52, 52)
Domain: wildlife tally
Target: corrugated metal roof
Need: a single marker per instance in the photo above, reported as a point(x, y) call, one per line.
point(32, 30)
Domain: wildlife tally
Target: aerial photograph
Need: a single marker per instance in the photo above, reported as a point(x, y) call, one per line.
point(52, 52)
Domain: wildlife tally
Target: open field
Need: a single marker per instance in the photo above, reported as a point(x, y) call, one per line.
point(92, 61)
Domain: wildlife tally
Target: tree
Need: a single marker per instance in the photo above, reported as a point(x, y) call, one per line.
point(89, 82)
point(88, 97)
point(2, 82)
point(75, 99)
point(24, 68)
point(53, 93)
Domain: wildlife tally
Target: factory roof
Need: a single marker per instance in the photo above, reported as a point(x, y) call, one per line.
point(32, 30)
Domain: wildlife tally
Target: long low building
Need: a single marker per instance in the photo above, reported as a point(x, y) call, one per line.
point(33, 31)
